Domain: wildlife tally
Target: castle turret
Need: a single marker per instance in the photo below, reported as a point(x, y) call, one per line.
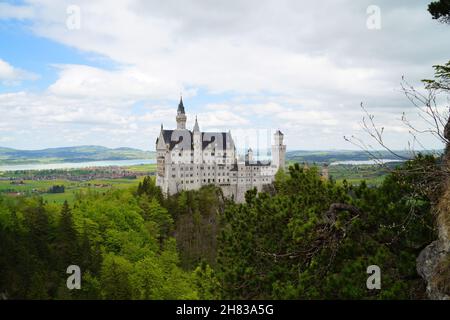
point(197, 137)
point(278, 151)
point(249, 156)
point(181, 116)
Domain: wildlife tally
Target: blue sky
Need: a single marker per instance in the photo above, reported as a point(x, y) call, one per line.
point(247, 66)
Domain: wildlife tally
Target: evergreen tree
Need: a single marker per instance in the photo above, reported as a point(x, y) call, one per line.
point(67, 239)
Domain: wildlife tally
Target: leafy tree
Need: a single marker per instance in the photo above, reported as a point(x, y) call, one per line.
point(206, 282)
point(149, 188)
point(105, 234)
point(115, 283)
point(315, 239)
point(67, 238)
point(440, 10)
point(160, 216)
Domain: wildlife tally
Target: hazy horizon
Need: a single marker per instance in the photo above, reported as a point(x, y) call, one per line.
point(239, 149)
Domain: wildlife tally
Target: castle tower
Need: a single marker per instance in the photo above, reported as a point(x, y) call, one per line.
point(181, 116)
point(278, 151)
point(197, 143)
point(249, 156)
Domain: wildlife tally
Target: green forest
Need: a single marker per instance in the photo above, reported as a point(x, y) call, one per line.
point(288, 242)
point(304, 236)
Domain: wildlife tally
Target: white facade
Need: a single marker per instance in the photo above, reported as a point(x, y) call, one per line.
point(187, 160)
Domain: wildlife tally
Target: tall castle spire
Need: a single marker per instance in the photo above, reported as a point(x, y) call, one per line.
point(181, 106)
point(196, 127)
point(181, 115)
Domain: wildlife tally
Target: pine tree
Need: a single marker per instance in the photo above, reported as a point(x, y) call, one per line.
point(67, 238)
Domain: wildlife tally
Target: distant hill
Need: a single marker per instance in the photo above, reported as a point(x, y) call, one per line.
point(10, 156)
point(341, 155)
point(71, 154)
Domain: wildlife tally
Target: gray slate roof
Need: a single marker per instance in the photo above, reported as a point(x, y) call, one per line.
point(175, 137)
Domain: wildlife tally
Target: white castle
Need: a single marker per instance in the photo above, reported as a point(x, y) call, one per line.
point(187, 160)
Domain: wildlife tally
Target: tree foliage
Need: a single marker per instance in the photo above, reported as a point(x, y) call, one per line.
point(315, 240)
point(440, 10)
point(302, 238)
point(122, 242)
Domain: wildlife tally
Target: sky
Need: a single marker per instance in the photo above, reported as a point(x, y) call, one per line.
point(109, 73)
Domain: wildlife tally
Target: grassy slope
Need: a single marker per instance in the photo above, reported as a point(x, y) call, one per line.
point(73, 187)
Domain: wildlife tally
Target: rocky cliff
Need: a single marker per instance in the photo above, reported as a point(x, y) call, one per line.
point(433, 263)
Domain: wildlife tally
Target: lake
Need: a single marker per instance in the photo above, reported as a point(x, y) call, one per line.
point(76, 165)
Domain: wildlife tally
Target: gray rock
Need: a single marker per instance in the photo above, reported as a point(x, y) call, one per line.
point(427, 261)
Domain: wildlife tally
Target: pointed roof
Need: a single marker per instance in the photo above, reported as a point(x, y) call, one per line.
point(209, 139)
point(196, 127)
point(180, 106)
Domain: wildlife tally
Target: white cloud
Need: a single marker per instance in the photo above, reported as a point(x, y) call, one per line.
point(233, 47)
point(12, 75)
point(8, 11)
point(281, 64)
point(80, 81)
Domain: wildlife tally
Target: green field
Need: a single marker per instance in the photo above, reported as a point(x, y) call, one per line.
point(143, 168)
point(40, 188)
point(354, 174)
